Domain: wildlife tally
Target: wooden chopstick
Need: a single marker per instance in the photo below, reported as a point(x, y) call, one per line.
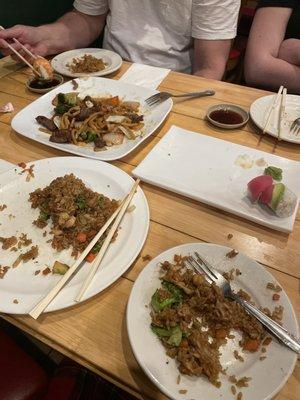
point(19, 55)
point(106, 243)
point(41, 305)
point(281, 112)
point(25, 48)
point(274, 104)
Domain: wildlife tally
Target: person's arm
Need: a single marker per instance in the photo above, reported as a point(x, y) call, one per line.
point(71, 31)
point(263, 67)
point(214, 25)
point(210, 58)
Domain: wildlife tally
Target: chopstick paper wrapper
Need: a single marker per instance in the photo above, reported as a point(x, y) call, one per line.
point(145, 75)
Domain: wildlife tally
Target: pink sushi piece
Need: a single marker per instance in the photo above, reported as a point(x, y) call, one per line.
point(266, 195)
point(258, 185)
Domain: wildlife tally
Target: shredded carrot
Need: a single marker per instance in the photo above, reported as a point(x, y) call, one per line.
point(90, 257)
point(81, 237)
point(251, 345)
point(114, 101)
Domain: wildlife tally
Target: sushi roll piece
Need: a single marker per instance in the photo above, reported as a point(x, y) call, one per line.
point(280, 199)
point(258, 185)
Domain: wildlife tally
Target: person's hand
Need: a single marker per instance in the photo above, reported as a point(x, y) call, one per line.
point(31, 37)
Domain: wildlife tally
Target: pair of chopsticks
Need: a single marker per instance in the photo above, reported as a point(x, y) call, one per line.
point(116, 217)
point(28, 52)
point(280, 97)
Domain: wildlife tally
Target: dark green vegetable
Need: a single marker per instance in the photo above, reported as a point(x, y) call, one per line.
point(61, 109)
point(275, 172)
point(174, 335)
point(65, 101)
point(97, 246)
point(158, 304)
point(101, 201)
point(174, 290)
point(175, 297)
point(91, 137)
point(44, 216)
point(80, 202)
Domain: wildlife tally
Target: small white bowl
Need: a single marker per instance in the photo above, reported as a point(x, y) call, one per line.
point(228, 107)
point(42, 90)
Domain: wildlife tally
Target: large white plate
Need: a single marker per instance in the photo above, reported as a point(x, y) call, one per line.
point(25, 124)
point(203, 168)
point(20, 283)
point(112, 59)
point(259, 111)
point(268, 376)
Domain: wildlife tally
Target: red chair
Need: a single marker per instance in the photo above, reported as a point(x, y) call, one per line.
point(21, 378)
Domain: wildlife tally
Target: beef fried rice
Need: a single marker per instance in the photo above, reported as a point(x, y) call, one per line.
point(193, 320)
point(77, 213)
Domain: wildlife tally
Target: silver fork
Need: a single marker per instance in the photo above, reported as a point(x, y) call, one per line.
point(200, 265)
point(295, 127)
point(163, 96)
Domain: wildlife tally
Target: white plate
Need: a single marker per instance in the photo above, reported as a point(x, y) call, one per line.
point(259, 111)
point(268, 376)
point(25, 124)
point(5, 166)
point(203, 168)
point(112, 59)
point(20, 283)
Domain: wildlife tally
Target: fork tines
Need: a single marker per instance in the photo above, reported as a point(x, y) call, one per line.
point(156, 98)
point(201, 266)
point(295, 127)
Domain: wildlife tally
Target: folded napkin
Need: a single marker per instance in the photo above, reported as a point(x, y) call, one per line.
point(145, 75)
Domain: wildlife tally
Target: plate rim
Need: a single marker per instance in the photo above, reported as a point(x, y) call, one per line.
point(254, 120)
point(104, 72)
point(92, 154)
point(51, 307)
point(145, 369)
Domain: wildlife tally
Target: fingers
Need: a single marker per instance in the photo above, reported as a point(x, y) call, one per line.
point(7, 49)
point(14, 32)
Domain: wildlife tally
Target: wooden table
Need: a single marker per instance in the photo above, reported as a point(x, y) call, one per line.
point(94, 333)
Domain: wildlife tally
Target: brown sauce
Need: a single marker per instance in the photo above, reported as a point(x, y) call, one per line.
point(227, 117)
point(44, 84)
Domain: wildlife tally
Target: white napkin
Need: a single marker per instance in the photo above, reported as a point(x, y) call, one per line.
point(145, 75)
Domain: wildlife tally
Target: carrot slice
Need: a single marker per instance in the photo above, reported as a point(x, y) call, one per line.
point(81, 237)
point(251, 345)
point(90, 257)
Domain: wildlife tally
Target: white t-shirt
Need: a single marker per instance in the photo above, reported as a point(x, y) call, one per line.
point(161, 32)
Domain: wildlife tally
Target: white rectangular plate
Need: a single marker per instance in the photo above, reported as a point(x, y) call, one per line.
point(203, 168)
point(25, 124)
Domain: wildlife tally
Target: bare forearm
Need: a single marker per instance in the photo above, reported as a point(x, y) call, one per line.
point(71, 31)
point(273, 72)
point(210, 58)
point(211, 72)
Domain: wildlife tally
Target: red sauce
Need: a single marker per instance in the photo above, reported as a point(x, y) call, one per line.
point(44, 84)
point(227, 117)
